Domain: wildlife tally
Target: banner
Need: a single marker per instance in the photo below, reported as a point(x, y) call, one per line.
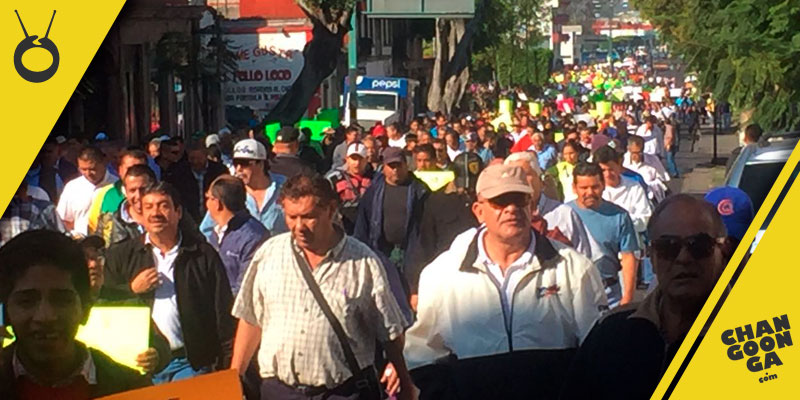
point(316, 128)
point(435, 179)
point(223, 385)
point(267, 66)
point(122, 333)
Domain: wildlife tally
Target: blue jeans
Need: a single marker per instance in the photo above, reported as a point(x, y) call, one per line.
point(672, 167)
point(178, 369)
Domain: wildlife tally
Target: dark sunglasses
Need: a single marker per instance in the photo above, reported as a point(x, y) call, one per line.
point(242, 163)
point(520, 200)
point(699, 246)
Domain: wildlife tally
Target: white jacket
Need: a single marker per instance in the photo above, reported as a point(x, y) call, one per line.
point(460, 313)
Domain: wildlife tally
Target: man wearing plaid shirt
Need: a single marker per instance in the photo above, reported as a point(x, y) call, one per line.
point(26, 213)
point(300, 355)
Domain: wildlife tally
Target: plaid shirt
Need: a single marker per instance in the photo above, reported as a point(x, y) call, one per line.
point(298, 345)
point(28, 214)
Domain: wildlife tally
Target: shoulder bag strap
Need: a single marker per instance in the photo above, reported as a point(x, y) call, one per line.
point(326, 309)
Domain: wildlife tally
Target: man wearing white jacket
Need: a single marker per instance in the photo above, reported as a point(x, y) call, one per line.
point(502, 311)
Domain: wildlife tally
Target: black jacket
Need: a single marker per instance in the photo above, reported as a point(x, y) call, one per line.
point(183, 179)
point(444, 217)
point(111, 377)
point(203, 294)
point(622, 357)
point(289, 165)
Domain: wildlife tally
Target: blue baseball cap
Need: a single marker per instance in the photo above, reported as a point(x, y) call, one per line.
point(735, 208)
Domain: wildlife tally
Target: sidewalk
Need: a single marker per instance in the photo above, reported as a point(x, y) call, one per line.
point(698, 175)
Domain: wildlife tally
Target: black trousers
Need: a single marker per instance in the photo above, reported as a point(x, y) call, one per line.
point(274, 389)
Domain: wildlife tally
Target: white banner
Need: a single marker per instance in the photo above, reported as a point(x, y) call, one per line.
point(269, 63)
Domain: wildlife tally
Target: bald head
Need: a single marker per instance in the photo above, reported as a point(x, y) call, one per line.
point(685, 215)
point(687, 256)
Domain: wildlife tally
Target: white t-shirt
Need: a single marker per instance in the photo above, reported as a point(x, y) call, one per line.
point(76, 200)
point(653, 139)
point(658, 190)
point(401, 143)
point(631, 196)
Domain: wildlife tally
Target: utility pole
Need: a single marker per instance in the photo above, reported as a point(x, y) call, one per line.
point(352, 64)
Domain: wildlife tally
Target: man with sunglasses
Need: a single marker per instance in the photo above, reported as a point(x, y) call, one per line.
point(628, 351)
point(501, 312)
point(263, 187)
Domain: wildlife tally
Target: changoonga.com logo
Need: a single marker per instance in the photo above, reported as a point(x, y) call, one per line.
point(760, 344)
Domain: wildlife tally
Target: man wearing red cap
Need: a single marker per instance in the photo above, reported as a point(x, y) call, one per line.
point(350, 183)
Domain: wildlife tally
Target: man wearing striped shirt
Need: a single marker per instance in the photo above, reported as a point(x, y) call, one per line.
point(300, 355)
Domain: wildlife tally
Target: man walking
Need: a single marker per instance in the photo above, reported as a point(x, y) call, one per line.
point(263, 187)
point(192, 177)
point(183, 281)
point(470, 343)
point(76, 199)
point(390, 212)
point(627, 353)
point(286, 161)
point(237, 235)
point(350, 183)
point(612, 231)
point(304, 351)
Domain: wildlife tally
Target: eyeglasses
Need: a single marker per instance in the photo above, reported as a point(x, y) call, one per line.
point(699, 246)
point(242, 163)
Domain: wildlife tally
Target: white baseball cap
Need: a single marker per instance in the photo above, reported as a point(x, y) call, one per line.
point(249, 149)
point(212, 139)
point(357, 148)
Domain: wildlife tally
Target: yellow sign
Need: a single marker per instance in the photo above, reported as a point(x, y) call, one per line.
point(506, 107)
point(49, 67)
point(121, 332)
point(223, 385)
point(535, 108)
point(435, 179)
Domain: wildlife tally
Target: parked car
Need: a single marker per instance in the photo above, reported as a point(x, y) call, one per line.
point(757, 167)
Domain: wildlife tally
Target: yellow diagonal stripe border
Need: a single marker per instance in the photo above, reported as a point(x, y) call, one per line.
point(730, 269)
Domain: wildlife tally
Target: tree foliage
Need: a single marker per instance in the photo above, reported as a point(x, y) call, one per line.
point(745, 51)
point(508, 46)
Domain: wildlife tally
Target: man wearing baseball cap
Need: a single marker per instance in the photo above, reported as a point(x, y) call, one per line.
point(736, 210)
point(390, 211)
point(501, 312)
point(351, 181)
point(286, 161)
point(263, 187)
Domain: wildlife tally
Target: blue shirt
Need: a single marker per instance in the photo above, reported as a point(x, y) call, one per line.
point(270, 215)
point(612, 230)
point(547, 157)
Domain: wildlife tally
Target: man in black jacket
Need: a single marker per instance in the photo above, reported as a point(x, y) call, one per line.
point(193, 177)
point(44, 284)
point(626, 353)
point(447, 213)
point(183, 280)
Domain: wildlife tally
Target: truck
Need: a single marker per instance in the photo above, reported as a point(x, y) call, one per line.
point(381, 99)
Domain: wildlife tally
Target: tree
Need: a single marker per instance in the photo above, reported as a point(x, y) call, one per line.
point(331, 21)
point(509, 46)
point(744, 50)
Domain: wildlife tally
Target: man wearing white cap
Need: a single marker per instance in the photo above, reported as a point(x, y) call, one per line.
point(263, 187)
point(501, 313)
point(350, 182)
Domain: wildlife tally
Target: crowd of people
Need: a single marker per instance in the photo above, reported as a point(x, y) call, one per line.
point(330, 270)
